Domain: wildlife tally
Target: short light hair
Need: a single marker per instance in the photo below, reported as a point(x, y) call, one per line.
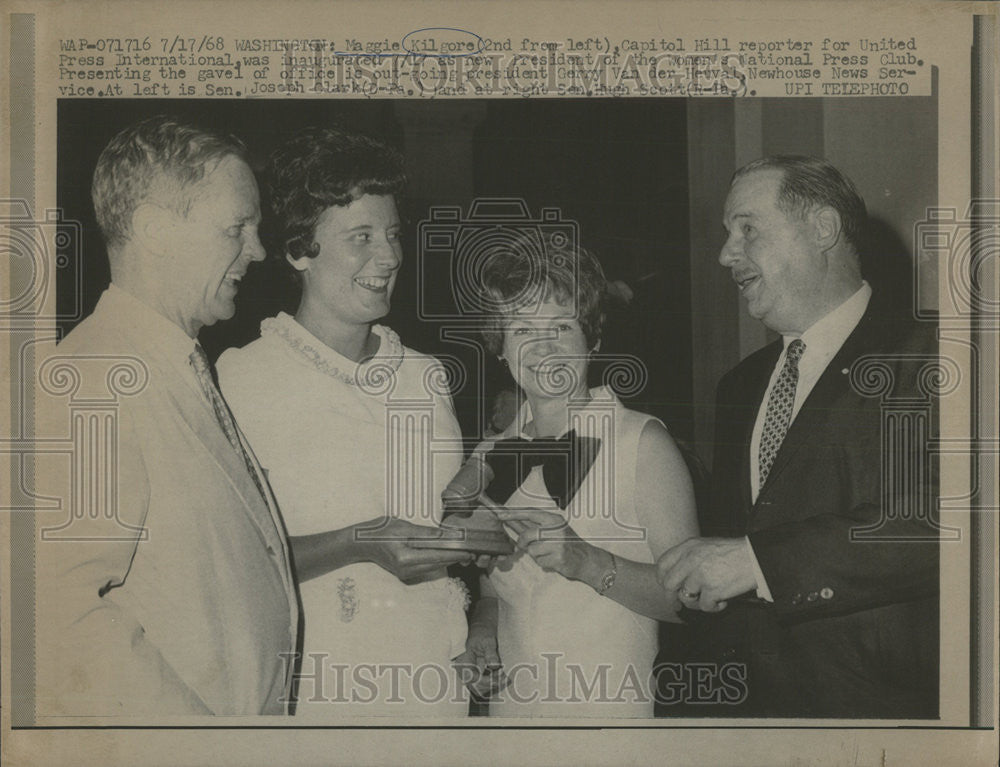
point(810, 182)
point(161, 154)
point(531, 270)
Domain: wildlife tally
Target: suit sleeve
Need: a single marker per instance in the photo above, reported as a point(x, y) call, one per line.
point(93, 657)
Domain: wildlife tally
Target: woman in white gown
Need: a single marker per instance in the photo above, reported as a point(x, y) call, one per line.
point(574, 612)
point(343, 419)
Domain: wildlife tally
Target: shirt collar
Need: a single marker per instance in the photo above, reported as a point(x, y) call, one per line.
point(141, 321)
point(827, 335)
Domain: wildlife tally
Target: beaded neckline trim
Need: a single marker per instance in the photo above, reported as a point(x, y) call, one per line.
point(329, 362)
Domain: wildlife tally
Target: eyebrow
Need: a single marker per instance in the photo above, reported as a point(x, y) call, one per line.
point(735, 217)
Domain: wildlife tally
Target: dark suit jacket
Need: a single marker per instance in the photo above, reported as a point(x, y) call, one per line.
point(844, 530)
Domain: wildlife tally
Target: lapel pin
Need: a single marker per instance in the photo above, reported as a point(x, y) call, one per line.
point(845, 371)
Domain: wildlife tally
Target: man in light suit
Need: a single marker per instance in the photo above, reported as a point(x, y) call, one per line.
point(182, 601)
point(817, 589)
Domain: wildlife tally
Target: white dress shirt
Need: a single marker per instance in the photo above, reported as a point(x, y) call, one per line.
point(823, 340)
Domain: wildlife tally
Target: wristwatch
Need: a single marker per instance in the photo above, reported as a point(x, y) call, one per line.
point(608, 579)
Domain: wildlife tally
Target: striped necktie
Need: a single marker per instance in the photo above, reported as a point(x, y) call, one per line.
point(779, 409)
point(203, 369)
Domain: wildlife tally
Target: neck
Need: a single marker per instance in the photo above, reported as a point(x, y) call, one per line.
point(829, 301)
point(356, 342)
point(550, 416)
point(140, 289)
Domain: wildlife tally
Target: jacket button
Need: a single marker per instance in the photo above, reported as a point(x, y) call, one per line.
point(796, 599)
point(813, 596)
point(729, 652)
point(826, 592)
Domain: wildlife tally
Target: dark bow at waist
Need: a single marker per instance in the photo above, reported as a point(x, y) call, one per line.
point(565, 461)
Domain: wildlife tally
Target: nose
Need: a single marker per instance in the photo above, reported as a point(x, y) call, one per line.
point(547, 343)
point(389, 255)
point(253, 248)
point(730, 252)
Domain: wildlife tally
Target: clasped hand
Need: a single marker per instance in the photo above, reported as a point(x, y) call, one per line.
point(386, 542)
point(479, 667)
point(549, 540)
point(705, 572)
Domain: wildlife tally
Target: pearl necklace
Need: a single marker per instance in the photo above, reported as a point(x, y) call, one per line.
point(302, 341)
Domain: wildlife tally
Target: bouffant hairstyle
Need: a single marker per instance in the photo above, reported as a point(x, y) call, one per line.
point(530, 270)
point(319, 168)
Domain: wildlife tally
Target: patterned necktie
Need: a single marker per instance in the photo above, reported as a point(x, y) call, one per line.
point(779, 409)
point(202, 368)
point(565, 462)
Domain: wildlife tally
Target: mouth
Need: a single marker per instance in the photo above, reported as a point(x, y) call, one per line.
point(744, 281)
point(374, 284)
point(546, 368)
point(233, 279)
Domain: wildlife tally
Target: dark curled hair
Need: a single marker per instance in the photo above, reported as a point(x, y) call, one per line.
point(319, 168)
point(809, 182)
point(531, 270)
point(161, 156)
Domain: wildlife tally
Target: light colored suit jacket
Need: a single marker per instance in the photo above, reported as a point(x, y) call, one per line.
point(171, 591)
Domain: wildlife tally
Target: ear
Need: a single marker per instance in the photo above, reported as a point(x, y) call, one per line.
point(298, 264)
point(152, 228)
point(827, 227)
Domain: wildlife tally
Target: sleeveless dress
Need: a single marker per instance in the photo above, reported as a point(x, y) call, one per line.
point(342, 444)
point(568, 651)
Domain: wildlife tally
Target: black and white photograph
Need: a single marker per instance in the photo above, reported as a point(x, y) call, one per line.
point(529, 417)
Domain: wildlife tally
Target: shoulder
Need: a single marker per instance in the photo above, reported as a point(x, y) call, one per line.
point(656, 445)
point(651, 439)
point(241, 360)
point(426, 370)
point(246, 370)
point(96, 334)
point(751, 368)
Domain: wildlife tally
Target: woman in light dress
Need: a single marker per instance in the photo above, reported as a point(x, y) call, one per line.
point(343, 418)
point(574, 612)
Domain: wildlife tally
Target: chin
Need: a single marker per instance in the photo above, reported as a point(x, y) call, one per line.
point(222, 313)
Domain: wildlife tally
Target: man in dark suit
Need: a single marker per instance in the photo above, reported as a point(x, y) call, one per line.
point(822, 587)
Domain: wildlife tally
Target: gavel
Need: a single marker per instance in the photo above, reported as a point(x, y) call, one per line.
point(467, 509)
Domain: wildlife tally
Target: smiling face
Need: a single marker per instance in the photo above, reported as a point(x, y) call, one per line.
point(772, 255)
point(350, 281)
point(546, 351)
point(213, 244)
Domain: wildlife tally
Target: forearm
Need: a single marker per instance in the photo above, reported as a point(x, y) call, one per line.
point(635, 586)
point(485, 612)
point(321, 553)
